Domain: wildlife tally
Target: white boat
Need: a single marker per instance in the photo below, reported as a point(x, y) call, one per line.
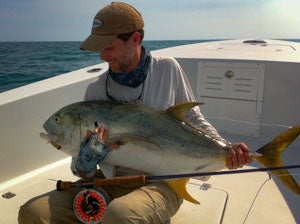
point(251, 90)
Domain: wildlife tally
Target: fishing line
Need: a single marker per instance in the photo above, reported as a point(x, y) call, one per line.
point(260, 188)
point(52, 179)
point(257, 193)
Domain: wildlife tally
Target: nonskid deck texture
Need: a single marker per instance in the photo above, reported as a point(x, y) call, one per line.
point(227, 199)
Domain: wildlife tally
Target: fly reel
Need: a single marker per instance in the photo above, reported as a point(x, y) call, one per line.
point(89, 205)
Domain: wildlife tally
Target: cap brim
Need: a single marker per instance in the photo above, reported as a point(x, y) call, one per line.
point(96, 42)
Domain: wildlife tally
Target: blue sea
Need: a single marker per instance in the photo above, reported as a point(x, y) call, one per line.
point(22, 63)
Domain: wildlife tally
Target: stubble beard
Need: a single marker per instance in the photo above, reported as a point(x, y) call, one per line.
point(124, 63)
point(123, 66)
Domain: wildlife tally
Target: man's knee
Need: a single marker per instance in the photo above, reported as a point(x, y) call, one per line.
point(52, 207)
point(33, 212)
point(147, 205)
point(119, 211)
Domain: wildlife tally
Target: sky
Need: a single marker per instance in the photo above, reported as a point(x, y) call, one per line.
point(71, 20)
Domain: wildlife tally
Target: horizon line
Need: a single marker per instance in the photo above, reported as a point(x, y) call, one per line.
point(217, 39)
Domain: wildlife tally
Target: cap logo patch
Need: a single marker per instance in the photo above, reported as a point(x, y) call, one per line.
point(97, 23)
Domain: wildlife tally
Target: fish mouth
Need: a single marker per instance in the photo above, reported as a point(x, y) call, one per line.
point(47, 138)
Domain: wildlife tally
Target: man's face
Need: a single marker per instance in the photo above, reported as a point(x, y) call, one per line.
point(119, 54)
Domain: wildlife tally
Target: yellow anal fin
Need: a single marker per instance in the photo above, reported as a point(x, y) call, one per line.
point(179, 186)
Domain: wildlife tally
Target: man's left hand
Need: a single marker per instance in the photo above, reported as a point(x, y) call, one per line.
point(238, 156)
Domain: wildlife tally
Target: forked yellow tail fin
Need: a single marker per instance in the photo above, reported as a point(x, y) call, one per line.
point(271, 157)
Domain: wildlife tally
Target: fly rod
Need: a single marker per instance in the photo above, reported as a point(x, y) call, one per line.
point(99, 182)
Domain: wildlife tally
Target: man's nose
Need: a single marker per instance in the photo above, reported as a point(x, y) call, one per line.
point(103, 55)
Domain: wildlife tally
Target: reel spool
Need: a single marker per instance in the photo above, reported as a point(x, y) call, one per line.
point(89, 205)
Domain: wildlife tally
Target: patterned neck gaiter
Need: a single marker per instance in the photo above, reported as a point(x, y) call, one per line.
point(137, 76)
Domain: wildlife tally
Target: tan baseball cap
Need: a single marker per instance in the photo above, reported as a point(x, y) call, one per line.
point(114, 19)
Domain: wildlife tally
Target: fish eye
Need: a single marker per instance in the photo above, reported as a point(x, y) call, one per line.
point(56, 119)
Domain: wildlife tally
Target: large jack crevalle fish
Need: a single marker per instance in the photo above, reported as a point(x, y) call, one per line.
point(155, 142)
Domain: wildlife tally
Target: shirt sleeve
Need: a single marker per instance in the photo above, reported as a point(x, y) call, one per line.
point(185, 94)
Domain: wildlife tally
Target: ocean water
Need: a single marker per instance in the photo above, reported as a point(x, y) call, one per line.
point(22, 63)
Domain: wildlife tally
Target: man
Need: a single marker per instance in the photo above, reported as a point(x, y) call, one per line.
point(134, 76)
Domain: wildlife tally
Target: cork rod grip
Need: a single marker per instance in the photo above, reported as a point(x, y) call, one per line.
point(98, 182)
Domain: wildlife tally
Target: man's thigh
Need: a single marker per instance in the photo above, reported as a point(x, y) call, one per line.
point(151, 204)
point(52, 207)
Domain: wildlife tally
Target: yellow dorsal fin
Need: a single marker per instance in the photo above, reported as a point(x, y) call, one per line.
point(180, 110)
point(179, 186)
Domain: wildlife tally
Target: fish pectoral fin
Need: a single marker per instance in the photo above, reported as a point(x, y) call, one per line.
point(179, 186)
point(179, 111)
point(107, 170)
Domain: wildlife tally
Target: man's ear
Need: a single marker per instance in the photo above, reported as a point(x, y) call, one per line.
point(136, 38)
